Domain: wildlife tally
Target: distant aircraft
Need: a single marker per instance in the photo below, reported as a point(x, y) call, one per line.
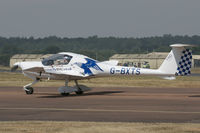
point(70, 66)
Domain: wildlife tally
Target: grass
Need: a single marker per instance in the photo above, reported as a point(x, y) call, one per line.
point(195, 70)
point(18, 79)
point(96, 127)
point(4, 67)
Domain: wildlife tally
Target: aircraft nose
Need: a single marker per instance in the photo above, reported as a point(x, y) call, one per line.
point(15, 67)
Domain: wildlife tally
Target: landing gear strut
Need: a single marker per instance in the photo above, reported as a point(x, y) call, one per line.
point(28, 89)
point(64, 93)
point(79, 91)
point(66, 90)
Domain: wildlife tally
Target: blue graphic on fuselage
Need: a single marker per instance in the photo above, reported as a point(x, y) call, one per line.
point(89, 64)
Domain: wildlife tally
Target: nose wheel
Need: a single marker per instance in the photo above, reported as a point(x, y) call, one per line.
point(29, 90)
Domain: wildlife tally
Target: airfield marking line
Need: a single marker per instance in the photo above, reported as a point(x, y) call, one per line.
point(101, 110)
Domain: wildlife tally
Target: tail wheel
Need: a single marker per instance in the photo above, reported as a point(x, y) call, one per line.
point(29, 90)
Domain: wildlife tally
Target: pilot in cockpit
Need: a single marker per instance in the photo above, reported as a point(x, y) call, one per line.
point(66, 60)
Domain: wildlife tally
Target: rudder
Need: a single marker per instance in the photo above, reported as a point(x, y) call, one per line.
point(178, 62)
point(185, 64)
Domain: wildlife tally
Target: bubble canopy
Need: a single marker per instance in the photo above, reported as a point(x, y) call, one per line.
point(57, 59)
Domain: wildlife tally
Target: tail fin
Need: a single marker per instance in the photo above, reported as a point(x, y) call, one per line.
point(178, 61)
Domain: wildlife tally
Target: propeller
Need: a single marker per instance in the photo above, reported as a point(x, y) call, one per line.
point(14, 68)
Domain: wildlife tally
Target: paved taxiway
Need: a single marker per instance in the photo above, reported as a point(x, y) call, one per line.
point(126, 104)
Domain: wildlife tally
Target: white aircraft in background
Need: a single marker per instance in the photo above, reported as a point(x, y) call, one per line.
point(70, 66)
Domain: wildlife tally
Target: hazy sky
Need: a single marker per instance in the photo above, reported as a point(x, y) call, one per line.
point(83, 18)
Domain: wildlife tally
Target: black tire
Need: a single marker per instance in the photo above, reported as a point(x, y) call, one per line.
point(64, 94)
point(30, 90)
point(79, 92)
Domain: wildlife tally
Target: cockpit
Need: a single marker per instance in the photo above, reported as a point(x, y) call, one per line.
point(57, 59)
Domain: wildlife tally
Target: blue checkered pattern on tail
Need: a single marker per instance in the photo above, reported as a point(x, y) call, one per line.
point(186, 63)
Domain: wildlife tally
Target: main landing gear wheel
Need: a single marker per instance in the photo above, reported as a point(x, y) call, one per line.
point(79, 92)
point(29, 90)
point(64, 94)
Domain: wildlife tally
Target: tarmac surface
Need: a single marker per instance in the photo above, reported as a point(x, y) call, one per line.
point(126, 104)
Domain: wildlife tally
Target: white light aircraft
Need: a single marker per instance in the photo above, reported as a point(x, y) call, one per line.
point(73, 67)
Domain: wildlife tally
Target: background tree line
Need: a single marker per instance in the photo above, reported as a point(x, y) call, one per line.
point(100, 48)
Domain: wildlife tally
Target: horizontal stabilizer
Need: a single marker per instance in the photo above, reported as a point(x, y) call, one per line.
point(169, 78)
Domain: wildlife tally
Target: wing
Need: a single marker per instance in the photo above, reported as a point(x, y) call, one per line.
point(66, 73)
point(69, 77)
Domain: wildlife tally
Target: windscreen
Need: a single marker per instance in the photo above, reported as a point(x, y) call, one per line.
point(58, 59)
